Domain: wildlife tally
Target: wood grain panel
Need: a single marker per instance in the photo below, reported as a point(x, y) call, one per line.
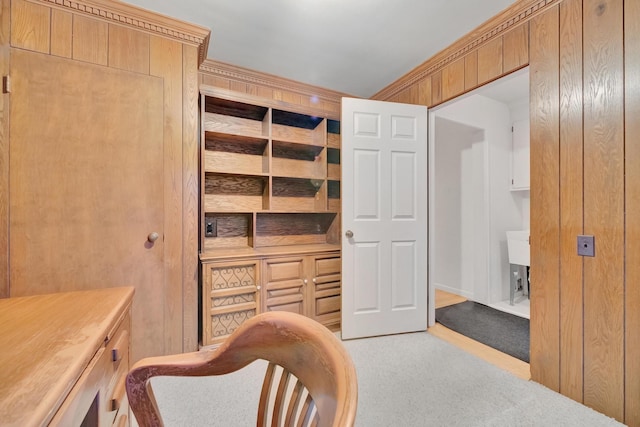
point(424, 92)
point(515, 52)
point(571, 217)
point(30, 26)
point(545, 179)
point(604, 206)
point(86, 184)
point(471, 70)
point(190, 197)
point(5, 25)
point(453, 79)
point(436, 88)
point(632, 201)
point(164, 59)
point(90, 40)
point(61, 33)
point(490, 61)
point(128, 49)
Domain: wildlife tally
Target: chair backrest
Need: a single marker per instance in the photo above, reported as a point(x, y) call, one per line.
point(310, 380)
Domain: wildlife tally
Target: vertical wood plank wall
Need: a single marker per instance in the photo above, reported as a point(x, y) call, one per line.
point(584, 58)
point(571, 207)
point(62, 32)
point(604, 206)
point(632, 208)
point(4, 150)
point(545, 173)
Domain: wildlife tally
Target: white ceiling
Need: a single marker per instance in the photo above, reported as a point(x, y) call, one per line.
point(353, 46)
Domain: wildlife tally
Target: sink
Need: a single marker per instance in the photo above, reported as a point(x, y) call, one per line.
point(518, 247)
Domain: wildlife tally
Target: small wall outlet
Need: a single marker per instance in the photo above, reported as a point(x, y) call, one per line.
point(210, 229)
point(586, 246)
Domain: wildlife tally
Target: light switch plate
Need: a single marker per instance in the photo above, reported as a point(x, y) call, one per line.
point(586, 246)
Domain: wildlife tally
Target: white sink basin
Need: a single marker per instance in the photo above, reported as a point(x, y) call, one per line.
point(518, 247)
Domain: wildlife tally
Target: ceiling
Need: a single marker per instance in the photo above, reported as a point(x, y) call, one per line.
point(356, 47)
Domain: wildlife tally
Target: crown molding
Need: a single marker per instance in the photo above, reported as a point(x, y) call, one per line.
point(117, 12)
point(245, 75)
point(518, 13)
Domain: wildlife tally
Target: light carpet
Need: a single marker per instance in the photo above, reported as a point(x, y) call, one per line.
point(403, 380)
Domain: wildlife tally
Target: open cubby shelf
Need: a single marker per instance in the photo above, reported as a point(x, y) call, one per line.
point(234, 108)
point(270, 176)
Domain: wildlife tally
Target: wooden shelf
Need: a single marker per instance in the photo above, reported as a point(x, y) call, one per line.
point(228, 230)
point(235, 154)
point(229, 193)
point(266, 251)
point(274, 229)
point(333, 134)
point(333, 163)
point(298, 195)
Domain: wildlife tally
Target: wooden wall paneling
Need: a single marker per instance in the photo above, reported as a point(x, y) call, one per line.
point(128, 49)
point(90, 40)
point(632, 219)
point(571, 208)
point(61, 33)
point(515, 52)
point(545, 180)
point(604, 206)
point(471, 70)
point(490, 61)
point(238, 86)
point(5, 25)
point(424, 92)
point(165, 61)
point(191, 196)
point(436, 88)
point(30, 26)
point(453, 80)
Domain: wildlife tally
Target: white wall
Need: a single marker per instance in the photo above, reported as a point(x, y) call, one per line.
point(458, 194)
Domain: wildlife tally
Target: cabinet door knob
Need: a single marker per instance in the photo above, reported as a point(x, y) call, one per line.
point(305, 281)
point(349, 234)
point(314, 280)
point(153, 236)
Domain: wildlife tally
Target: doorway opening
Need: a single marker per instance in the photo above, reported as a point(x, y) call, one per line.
point(479, 191)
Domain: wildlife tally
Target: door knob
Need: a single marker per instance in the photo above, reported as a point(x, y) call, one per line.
point(152, 237)
point(349, 234)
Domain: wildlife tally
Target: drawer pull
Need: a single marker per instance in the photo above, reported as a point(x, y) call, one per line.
point(118, 395)
point(117, 352)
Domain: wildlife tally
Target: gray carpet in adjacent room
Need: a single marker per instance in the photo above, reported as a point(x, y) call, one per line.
point(502, 331)
point(403, 381)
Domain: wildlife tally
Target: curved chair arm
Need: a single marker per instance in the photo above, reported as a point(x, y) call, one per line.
point(299, 344)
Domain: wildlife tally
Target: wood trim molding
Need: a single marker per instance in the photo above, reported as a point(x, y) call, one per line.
point(139, 19)
point(245, 75)
point(514, 15)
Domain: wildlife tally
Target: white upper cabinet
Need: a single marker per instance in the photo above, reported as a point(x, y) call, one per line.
point(520, 156)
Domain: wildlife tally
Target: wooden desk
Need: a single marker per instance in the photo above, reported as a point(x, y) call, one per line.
point(63, 357)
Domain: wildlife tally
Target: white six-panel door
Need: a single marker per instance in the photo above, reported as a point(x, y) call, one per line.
point(384, 218)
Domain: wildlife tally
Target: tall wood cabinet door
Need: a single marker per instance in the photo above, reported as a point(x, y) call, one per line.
point(230, 295)
point(284, 284)
point(325, 289)
point(86, 185)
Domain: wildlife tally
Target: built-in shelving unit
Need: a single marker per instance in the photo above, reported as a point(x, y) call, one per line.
point(270, 191)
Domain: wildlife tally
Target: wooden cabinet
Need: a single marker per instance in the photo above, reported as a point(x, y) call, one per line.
point(65, 358)
point(230, 295)
point(237, 288)
point(304, 284)
point(270, 188)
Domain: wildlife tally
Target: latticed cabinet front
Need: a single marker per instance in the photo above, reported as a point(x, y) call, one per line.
point(230, 296)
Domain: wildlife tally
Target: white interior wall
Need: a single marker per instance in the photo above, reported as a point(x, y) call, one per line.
point(456, 240)
point(519, 110)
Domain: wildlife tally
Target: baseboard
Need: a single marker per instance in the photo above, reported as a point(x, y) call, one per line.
point(466, 294)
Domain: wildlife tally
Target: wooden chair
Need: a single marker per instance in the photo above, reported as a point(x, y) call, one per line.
point(310, 379)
